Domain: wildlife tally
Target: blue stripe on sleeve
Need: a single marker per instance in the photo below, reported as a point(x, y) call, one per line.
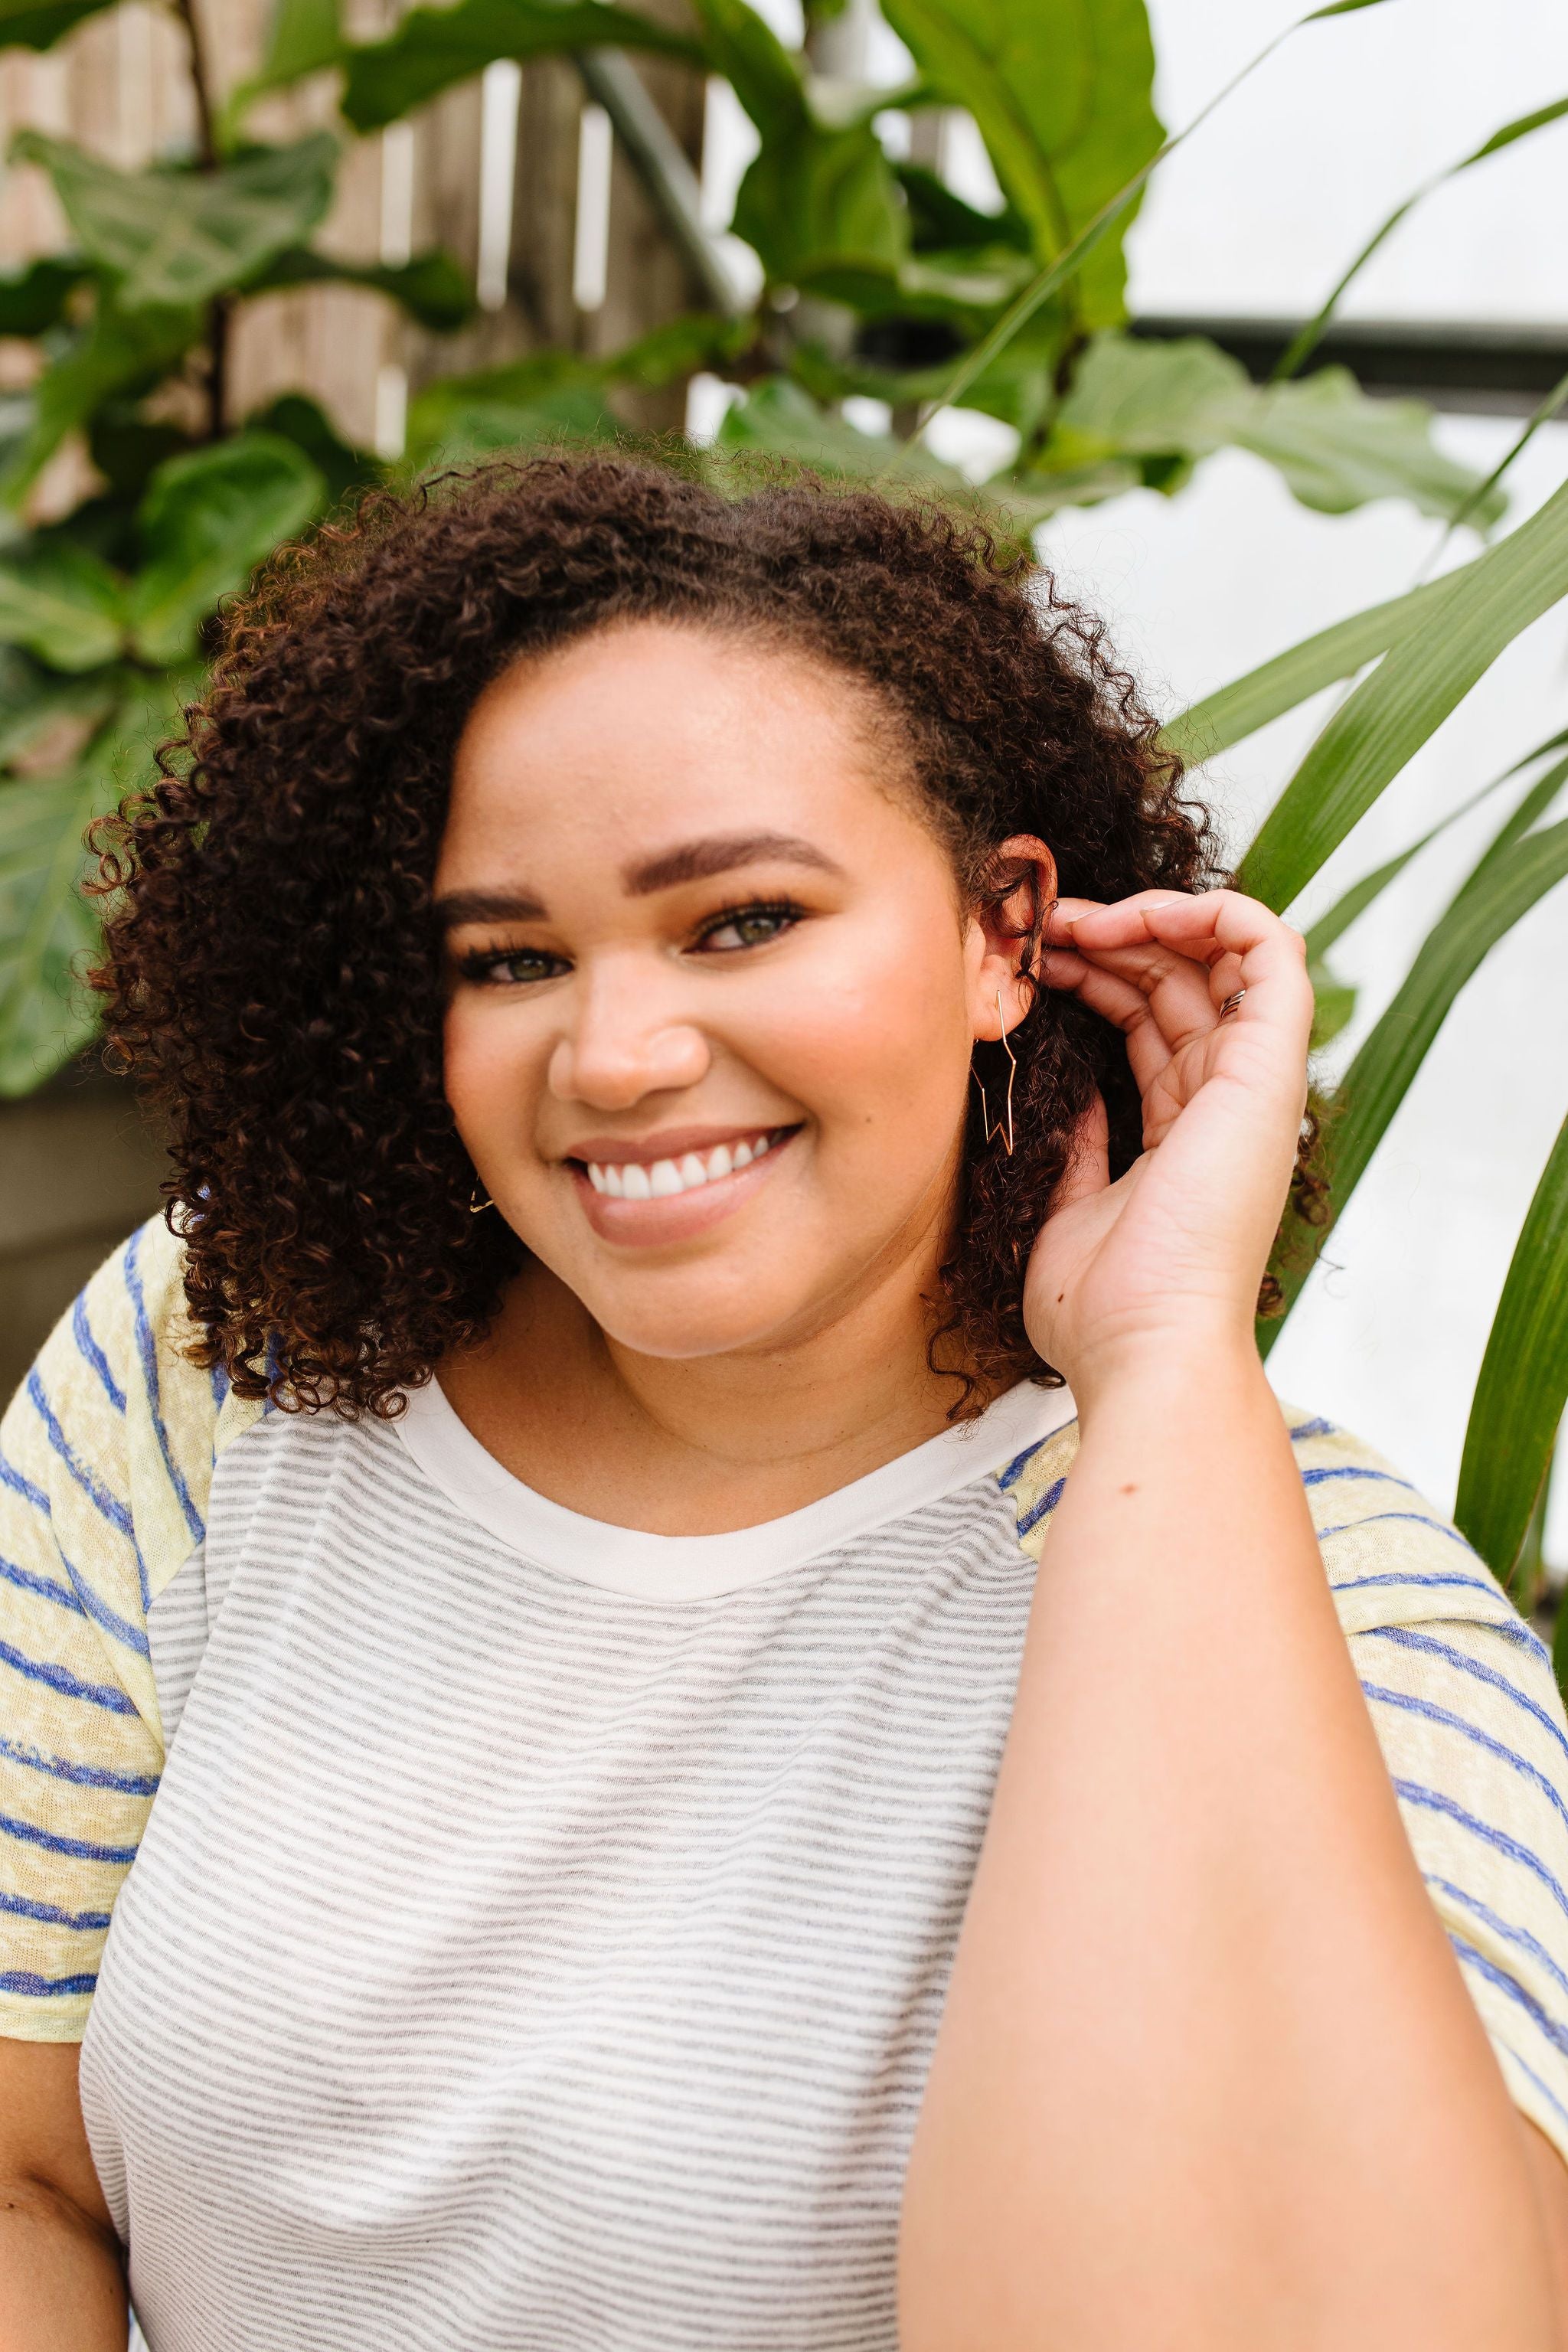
point(22, 1981)
point(92, 1353)
point(84, 1776)
point(1556, 2034)
point(80, 1922)
point(24, 1580)
point(1433, 1713)
point(59, 1678)
point(91, 1484)
point(1407, 1639)
point(1506, 1928)
point(149, 1355)
point(1009, 1477)
point(79, 1849)
point(1311, 1429)
point(1474, 1583)
point(1547, 2093)
point(11, 1476)
point(1044, 1503)
point(1432, 1800)
point(1354, 1470)
point(1377, 1519)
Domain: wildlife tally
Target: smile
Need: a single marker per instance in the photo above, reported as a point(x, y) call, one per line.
point(632, 1179)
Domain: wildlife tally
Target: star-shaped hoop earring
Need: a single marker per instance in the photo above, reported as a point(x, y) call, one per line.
point(999, 1134)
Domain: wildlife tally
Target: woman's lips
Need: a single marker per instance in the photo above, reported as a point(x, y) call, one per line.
point(684, 1195)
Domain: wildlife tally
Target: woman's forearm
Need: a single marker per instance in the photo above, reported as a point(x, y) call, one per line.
point(61, 2286)
point(1208, 2079)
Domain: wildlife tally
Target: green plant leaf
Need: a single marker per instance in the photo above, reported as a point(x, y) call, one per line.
point(1338, 449)
point(305, 36)
point(1499, 892)
point(1523, 1381)
point(117, 353)
point(46, 926)
point(941, 222)
point(208, 520)
point(25, 25)
point(171, 237)
point(1333, 1004)
point(59, 602)
point(815, 198)
point(1233, 712)
point(35, 701)
point(434, 47)
point(33, 300)
point(304, 421)
point(1473, 615)
point(431, 288)
point(552, 396)
point(1063, 96)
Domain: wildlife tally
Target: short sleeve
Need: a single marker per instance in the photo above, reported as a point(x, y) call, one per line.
point(105, 1458)
point(1472, 1728)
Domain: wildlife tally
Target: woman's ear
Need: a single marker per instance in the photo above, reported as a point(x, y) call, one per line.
point(1019, 888)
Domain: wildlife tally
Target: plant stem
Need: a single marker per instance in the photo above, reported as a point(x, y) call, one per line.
point(206, 142)
point(201, 86)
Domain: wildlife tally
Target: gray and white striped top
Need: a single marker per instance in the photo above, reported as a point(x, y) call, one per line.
point(520, 1934)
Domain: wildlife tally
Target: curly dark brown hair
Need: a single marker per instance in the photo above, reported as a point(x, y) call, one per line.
point(272, 972)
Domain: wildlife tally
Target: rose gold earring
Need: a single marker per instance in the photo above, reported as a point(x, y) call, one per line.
point(476, 1206)
point(999, 1134)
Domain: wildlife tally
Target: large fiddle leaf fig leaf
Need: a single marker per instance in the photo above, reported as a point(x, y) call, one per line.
point(61, 602)
point(1062, 91)
point(25, 25)
point(818, 200)
point(168, 238)
point(208, 520)
point(119, 353)
point(1183, 400)
point(47, 928)
point(434, 47)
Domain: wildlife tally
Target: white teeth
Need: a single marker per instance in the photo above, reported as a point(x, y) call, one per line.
point(629, 1179)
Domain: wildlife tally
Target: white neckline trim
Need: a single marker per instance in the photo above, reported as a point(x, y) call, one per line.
point(697, 1567)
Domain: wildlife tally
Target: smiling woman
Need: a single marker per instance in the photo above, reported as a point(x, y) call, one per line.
point(682, 1788)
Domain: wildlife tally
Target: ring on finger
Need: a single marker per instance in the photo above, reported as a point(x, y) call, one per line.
point(1231, 1003)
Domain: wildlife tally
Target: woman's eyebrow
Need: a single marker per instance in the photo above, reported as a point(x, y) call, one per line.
point(698, 861)
point(457, 906)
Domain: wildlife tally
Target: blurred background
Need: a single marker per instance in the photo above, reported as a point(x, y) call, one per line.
point(257, 256)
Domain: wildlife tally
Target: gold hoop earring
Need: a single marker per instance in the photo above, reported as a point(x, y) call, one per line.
point(476, 1206)
point(999, 1134)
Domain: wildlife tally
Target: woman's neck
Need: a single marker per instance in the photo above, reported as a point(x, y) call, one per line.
point(708, 1444)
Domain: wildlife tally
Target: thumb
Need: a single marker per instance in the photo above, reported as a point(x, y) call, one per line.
point(1088, 1159)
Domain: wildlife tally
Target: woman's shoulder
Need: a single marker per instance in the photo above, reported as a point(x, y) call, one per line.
point(106, 1449)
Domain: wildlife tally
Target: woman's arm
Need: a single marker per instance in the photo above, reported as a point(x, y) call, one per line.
point(62, 2288)
point(1209, 2079)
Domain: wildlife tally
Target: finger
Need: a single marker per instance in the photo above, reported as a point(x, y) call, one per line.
point(1088, 1163)
point(1175, 985)
point(1118, 1001)
point(1208, 927)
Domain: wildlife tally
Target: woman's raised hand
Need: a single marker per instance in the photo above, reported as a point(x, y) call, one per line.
point(1167, 1260)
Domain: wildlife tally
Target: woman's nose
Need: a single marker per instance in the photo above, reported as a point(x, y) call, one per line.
point(621, 1047)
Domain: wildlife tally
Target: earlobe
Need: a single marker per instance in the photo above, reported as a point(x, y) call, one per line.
point(1011, 918)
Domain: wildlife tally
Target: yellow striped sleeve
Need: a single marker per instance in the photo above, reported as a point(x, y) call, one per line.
point(106, 1455)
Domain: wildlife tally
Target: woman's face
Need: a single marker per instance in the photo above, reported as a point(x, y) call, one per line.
point(712, 989)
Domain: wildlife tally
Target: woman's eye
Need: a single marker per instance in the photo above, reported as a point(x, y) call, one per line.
point(520, 964)
point(748, 927)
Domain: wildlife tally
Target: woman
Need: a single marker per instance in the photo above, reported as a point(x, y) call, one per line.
point(679, 1020)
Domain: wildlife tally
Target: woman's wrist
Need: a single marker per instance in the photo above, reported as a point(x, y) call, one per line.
point(1184, 1366)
